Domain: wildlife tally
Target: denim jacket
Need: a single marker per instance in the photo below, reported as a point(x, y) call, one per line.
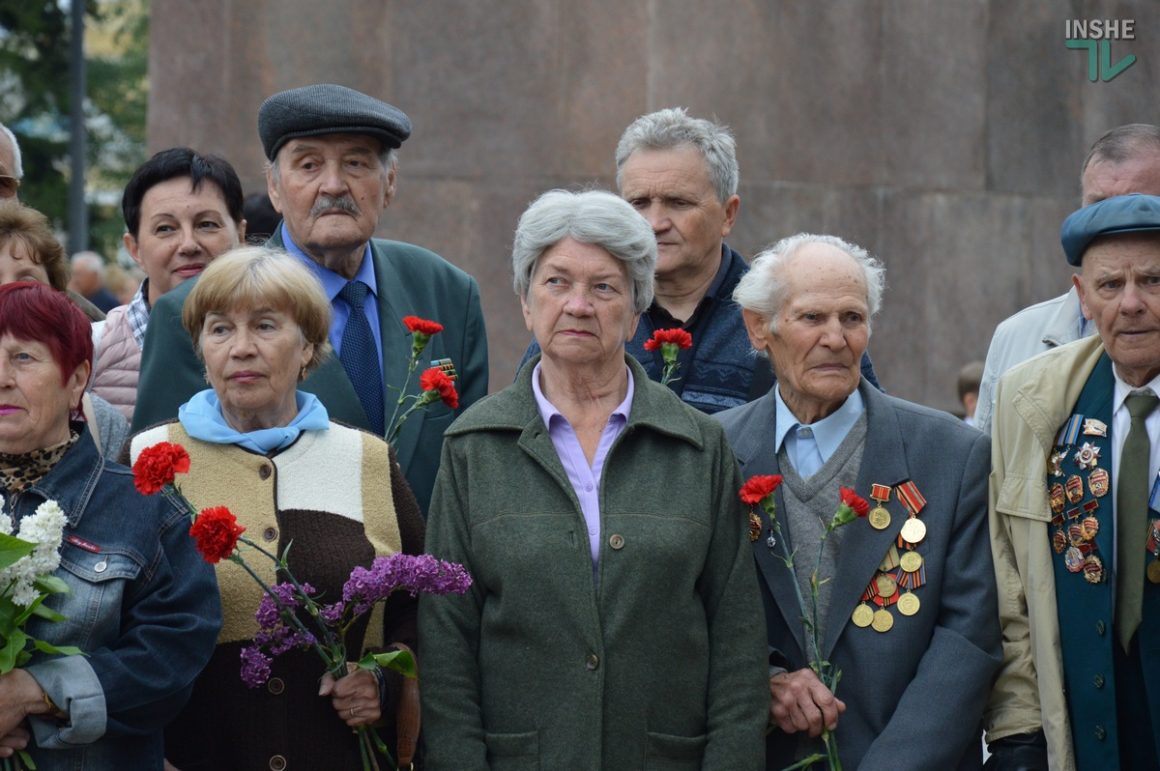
point(142, 605)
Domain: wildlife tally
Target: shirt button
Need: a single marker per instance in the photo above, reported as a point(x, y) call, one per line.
point(277, 763)
point(276, 686)
point(593, 662)
point(616, 541)
point(264, 471)
point(1100, 628)
point(100, 567)
point(270, 534)
point(1100, 733)
point(588, 488)
point(1098, 681)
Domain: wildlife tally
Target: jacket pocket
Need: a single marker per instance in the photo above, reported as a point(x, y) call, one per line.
point(93, 605)
point(666, 752)
point(513, 752)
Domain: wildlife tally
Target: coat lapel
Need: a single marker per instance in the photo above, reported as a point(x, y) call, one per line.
point(883, 462)
point(754, 451)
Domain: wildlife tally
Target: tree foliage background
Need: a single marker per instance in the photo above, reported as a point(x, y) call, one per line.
point(35, 100)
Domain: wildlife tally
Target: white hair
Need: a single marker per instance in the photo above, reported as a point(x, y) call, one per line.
point(667, 129)
point(17, 162)
point(90, 260)
point(762, 289)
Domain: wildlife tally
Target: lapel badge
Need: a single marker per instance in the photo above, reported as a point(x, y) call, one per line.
point(1087, 455)
point(754, 527)
point(1053, 464)
point(1093, 427)
point(447, 366)
point(1074, 489)
point(1098, 482)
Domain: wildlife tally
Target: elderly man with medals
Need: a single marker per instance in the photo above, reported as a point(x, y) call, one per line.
point(1075, 516)
point(906, 597)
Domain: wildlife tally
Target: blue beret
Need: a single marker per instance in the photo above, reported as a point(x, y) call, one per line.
point(1121, 214)
point(325, 108)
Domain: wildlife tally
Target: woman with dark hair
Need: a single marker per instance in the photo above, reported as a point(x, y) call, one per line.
point(182, 209)
point(142, 605)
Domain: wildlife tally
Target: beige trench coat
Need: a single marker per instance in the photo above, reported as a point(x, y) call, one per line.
point(1032, 401)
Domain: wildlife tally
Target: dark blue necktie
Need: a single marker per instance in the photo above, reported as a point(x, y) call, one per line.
point(359, 357)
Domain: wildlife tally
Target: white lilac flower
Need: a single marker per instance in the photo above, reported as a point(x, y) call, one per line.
point(44, 528)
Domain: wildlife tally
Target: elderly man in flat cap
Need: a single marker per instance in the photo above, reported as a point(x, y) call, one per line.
point(332, 163)
point(1075, 516)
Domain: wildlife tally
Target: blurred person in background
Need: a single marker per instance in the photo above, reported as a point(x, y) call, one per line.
point(970, 376)
point(11, 167)
point(88, 280)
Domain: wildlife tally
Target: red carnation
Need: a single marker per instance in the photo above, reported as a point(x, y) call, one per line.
point(677, 337)
point(422, 326)
point(757, 488)
point(157, 465)
point(436, 380)
point(216, 531)
point(854, 501)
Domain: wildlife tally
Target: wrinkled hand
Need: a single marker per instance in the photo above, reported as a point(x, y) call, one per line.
point(16, 739)
point(355, 696)
point(20, 696)
point(799, 702)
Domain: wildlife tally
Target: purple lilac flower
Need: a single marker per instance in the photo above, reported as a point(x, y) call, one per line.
point(413, 573)
point(332, 613)
point(255, 667)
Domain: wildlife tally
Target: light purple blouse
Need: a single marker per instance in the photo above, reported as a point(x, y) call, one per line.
point(585, 480)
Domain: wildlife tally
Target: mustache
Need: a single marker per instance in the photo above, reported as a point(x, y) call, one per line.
point(328, 203)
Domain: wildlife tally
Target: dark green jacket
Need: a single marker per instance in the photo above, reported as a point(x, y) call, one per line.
point(660, 664)
point(411, 281)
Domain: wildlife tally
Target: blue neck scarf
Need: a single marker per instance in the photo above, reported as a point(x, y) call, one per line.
point(202, 419)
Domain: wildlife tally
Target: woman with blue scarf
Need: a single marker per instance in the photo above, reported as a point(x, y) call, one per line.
point(334, 494)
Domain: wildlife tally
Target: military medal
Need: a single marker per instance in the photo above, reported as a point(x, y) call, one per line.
point(863, 615)
point(1087, 456)
point(890, 561)
point(1074, 487)
point(1056, 494)
point(754, 527)
point(1075, 534)
point(1053, 464)
point(1069, 434)
point(1098, 482)
point(1153, 570)
point(1073, 558)
point(1059, 541)
point(885, 585)
point(911, 561)
point(879, 517)
point(882, 620)
point(908, 604)
point(1093, 427)
point(1090, 527)
point(914, 529)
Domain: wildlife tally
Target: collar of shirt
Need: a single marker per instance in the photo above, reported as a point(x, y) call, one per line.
point(548, 411)
point(662, 319)
point(137, 312)
point(332, 283)
point(828, 432)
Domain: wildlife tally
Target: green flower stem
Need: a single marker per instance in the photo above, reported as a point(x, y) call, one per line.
point(420, 400)
point(418, 344)
point(811, 639)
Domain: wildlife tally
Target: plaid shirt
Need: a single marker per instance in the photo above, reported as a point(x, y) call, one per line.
point(137, 311)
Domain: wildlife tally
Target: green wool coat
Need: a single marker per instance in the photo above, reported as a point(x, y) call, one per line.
point(660, 663)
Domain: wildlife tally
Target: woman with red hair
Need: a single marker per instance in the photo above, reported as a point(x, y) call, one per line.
point(141, 604)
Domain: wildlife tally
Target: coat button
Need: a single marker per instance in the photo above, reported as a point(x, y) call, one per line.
point(593, 662)
point(100, 567)
point(277, 763)
point(264, 471)
point(616, 541)
point(1100, 628)
point(1100, 733)
point(270, 534)
point(276, 686)
point(1098, 681)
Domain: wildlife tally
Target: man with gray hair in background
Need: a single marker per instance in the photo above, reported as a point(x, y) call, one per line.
point(1124, 160)
point(681, 174)
point(88, 280)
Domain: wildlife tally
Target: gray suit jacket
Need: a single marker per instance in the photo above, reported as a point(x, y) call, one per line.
point(915, 694)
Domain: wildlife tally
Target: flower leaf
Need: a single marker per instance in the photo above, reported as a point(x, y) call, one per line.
point(57, 650)
point(12, 646)
point(12, 549)
point(51, 584)
point(397, 661)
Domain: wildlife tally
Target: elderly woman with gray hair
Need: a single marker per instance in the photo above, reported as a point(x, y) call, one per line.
point(612, 620)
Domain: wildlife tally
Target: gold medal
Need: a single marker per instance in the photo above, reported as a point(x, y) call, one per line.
point(1154, 571)
point(886, 586)
point(862, 616)
point(913, 531)
point(911, 561)
point(908, 604)
point(883, 621)
point(879, 518)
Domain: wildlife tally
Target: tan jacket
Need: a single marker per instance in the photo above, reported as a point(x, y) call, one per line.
point(1032, 401)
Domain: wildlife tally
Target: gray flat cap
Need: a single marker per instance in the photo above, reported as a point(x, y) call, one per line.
point(1122, 214)
point(325, 108)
